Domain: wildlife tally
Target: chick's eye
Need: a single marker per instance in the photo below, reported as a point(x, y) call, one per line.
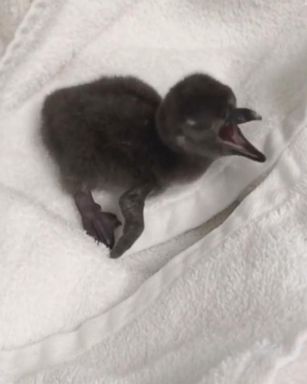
point(191, 122)
point(224, 113)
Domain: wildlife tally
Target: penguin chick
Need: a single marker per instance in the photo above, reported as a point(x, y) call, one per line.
point(118, 131)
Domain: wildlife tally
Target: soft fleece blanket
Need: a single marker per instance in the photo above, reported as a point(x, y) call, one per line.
point(55, 277)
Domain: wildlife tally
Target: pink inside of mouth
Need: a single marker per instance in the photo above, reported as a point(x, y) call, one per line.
point(227, 133)
point(231, 135)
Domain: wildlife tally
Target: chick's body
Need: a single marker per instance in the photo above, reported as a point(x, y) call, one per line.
point(118, 131)
point(104, 133)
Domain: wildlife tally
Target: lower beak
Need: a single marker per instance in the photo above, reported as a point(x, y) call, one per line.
point(235, 143)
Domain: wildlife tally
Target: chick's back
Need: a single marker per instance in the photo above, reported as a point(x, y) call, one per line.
point(102, 132)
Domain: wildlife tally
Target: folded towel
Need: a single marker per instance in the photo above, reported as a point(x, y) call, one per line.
point(230, 309)
point(12, 12)
point(55, 277)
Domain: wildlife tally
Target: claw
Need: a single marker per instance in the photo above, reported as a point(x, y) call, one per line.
point(101, 226)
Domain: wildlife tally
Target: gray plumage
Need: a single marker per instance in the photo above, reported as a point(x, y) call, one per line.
point(118, 131)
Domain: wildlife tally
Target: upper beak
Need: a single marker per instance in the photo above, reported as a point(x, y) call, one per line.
point(243, 115)
point(235, 142)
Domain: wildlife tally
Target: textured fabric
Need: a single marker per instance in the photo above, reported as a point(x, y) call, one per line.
point(54, 276)
point(11, 13)
point(237, 313)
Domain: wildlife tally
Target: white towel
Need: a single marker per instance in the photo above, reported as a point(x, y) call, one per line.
point(231, 309)
point(55, 277)
point(11, 14)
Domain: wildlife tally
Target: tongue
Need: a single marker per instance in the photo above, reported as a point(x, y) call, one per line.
point(233, 138)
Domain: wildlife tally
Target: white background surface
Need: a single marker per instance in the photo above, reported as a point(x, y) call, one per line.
point(11, 13)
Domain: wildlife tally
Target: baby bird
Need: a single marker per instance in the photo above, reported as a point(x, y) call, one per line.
point(118, 131)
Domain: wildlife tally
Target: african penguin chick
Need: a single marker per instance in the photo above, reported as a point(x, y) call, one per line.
point(118, 131)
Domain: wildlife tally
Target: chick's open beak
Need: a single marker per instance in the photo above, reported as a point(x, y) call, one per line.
point(234, 141)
